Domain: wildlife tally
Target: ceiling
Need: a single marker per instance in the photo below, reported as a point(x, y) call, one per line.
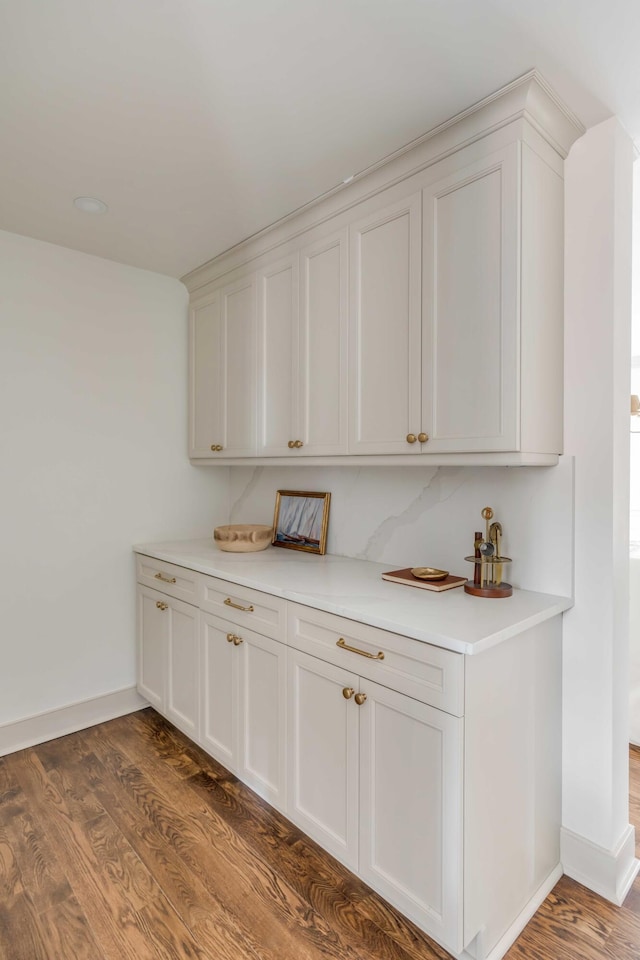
point(201, 121)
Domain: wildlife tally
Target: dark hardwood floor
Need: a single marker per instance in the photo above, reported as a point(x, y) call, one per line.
point(127, 841)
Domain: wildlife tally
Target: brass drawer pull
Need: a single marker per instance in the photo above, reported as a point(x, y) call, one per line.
point(363, 653)
point(162, 606)
point(164, 579)
point(236, 606)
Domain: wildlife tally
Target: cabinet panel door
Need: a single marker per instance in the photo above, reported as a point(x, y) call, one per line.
point(411, 808)
point(277, 357)
point(238, 311)
point(207, 377)
point(183, 667)
point(219, 733)
point(323, 345)
point(153, 634)
point(471, 322)
point(262, 703)
point(323, 755)
point(384, 365)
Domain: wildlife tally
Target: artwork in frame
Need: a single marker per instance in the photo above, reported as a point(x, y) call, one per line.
point(301, 520)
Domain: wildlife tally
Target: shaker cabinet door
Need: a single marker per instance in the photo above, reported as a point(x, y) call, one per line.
point(277, 357)
point(411, 808)
point(385, 320)
point(153, 639)
point(207, 376)
point(182, 706)
point(471, 321)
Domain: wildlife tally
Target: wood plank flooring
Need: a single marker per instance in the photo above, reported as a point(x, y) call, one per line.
point(127, 842)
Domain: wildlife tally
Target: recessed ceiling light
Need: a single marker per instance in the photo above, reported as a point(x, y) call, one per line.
point(90, 205)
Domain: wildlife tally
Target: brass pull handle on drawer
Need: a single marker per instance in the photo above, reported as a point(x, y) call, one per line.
point(162, 606)
point(363, 653)
point(236, 606)
point(164, 579)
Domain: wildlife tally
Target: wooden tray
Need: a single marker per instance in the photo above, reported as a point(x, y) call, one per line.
point(437, 586)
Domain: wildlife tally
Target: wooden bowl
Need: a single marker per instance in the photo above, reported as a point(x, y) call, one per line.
point(243, 537)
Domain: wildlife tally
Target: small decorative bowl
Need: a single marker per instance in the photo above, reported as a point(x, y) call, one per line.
point(429, 573)
point(243, 537)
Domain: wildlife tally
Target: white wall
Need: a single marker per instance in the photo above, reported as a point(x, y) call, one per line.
point(93, 368)
point(426, 516)
point(598, 843)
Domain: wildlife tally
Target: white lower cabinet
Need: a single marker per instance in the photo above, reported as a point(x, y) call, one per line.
point(376, 778)
point(168, 668)
point(244, 704)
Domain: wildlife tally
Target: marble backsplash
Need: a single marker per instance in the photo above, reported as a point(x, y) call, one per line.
point(426, 516)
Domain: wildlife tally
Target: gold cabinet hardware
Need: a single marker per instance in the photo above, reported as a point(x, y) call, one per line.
point(298, 444)
point(236, 606)
point(216, 447)
point(234, 639)
point(360, 698)
point(237, 641)
point(363, 653)
point(230, 637)
point(159, 576)
point(291, 444)
point(162, 606)
point(423, 437)
point(411, 438)
point(348, 692)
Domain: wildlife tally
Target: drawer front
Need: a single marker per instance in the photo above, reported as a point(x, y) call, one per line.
point(168, 578)
point(419, 670)
point(244, 607)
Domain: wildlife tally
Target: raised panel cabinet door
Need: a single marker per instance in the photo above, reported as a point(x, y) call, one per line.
point(411, 809)
point(262, 703)
point(153, 638)
point(385, 320)
point(238, 311)
point(277, 357)
point(219, 690)
point(322, 762)
point(183, 674)
point(206, 376)
point(323, 345)
point(471, 320)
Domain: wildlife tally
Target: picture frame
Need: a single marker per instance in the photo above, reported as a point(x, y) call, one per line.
point(301, 520)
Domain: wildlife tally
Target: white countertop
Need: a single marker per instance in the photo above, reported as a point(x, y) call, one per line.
point(354, 589)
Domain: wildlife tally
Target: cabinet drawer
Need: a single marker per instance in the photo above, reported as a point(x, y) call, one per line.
point(419, 670)
point(176, 581)
point(247, 608)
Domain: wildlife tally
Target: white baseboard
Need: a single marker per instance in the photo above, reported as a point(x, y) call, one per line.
point(28, 731)
point(608, 873)
point(515, 929)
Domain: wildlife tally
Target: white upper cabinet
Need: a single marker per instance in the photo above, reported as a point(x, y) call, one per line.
point(385, 321)
point(416, 311)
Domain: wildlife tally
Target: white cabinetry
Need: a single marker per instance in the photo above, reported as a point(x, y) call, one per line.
point(449, 346)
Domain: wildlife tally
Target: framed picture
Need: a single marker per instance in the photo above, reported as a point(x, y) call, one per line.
point(301, 521)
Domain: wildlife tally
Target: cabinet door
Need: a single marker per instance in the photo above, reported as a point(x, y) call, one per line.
point(153, 639)
point(385, 313)
point(262, 670)
point(471, 321)
point(323, 345)
point(182, 704)
point(207, 376)
point(219, 723)
point(238, 368)
point(411, 808)
point(277, 357)
point(323, 755)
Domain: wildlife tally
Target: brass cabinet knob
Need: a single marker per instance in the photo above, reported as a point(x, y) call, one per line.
point(230, 637)
point(216, 447)
point(360, 698)
point(298, 444)
point(162, 606)
point(411, 438)
point(348, 692)
point(423, 437)
point(291, 444)
point(237, 641)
